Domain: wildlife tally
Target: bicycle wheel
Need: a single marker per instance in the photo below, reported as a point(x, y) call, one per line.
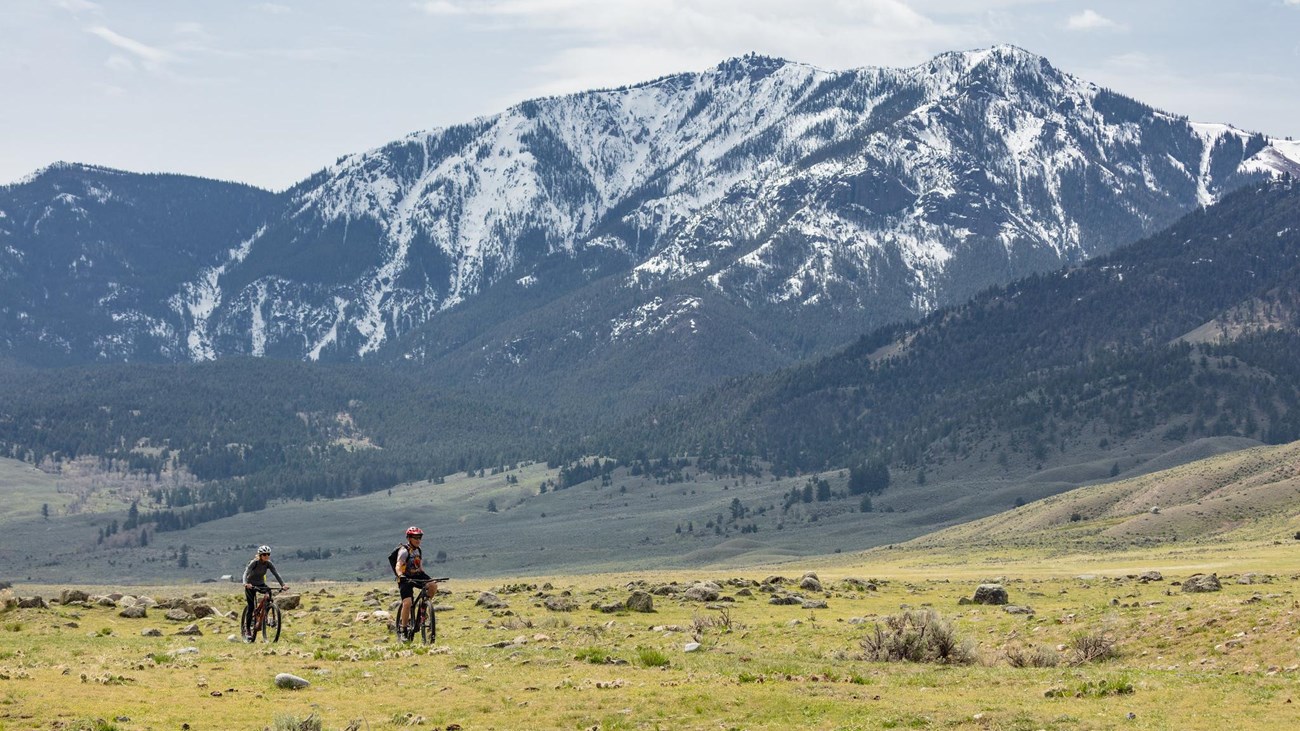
point(272, 623)
point(428, 623)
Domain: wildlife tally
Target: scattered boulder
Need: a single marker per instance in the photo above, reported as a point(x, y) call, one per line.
point(191, 630)
point(666, 590)
point(640, 601)
point(204, 610)
point(814, 604)
point(151, 632)
point(488, 600)
point(1013, 609)
point(775, 580)
point(1197, 583)
point(704, 591)
point(105, 601)
point(692, 647)
point(178, 614)
point(135, 611)
point(1253, 578)
point(861, 584)
point(1149, 576)
point(290, 682)
point(69, 596)
point(288, 601)
point(32, 602)
point(607, 607)
point(810, 582)
point(990, 594)
point(559, 604)
point(786, 600)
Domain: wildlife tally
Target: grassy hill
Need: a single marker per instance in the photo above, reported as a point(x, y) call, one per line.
point(621, 522)
point(1248, 495)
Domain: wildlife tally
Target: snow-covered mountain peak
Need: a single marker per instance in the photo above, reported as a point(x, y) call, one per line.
point(763, 185)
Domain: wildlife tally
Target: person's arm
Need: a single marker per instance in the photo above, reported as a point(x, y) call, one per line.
point(248, 571)
point(403, 555)
point(271, 566)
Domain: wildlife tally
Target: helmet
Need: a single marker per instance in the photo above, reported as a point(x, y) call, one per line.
point(414, 531)
point(263, 549)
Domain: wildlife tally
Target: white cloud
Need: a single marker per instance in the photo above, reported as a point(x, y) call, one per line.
point(1091, 20)
point(441, 7)
point(149, 56)
point(77, 6)
point(275, 8)
point(118, 62)
point(613, 43)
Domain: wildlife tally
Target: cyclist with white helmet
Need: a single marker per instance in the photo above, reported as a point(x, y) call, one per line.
point(410, 571)
point(255, 580)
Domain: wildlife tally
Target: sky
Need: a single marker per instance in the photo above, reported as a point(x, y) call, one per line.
point(268, 92)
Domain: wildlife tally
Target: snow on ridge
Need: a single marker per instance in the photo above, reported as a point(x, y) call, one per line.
point(331, 335)
point(699, 164)
point(652, 317)
point(200, 299)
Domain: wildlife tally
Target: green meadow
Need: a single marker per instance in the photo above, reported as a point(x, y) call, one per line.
point(1099, 633)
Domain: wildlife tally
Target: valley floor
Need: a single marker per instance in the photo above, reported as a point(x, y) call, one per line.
point(549, 660)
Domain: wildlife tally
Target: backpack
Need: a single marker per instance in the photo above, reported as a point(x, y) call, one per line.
point(392, 558)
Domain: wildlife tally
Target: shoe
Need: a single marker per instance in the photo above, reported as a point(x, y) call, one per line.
point(248, 638)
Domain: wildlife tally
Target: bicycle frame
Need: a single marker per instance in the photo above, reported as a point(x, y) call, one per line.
point(265, 620)
point(422, 615)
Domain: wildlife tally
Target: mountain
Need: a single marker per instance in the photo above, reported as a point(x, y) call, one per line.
point(639, 241)
point(1189, 333)
point(90, 258)
point(1175, 348)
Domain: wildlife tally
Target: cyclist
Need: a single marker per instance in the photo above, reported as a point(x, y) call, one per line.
point(409, 572)
point(255, 579)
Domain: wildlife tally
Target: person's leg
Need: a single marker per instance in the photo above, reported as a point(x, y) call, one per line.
point(250, 596)
point(404, 613)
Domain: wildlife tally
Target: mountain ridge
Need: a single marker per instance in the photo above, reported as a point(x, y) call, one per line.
point(776, 186)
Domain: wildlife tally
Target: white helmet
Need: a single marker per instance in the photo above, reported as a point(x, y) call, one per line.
point(263, 549)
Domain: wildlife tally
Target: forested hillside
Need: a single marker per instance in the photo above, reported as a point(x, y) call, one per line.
point(1090, 356)
point(254, 430)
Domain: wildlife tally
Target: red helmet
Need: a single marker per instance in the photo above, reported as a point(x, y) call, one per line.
point(414, 531)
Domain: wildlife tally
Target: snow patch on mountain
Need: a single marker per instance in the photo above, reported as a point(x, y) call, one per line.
point(654, 316)
point(198, 300)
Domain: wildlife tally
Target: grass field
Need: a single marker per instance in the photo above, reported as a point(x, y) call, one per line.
point(1095, 642)
point(1183, 661)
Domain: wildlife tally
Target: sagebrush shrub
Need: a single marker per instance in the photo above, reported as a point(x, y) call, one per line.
point(917, 636)
point(1036, 656)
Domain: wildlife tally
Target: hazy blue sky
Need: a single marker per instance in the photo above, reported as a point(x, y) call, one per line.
point(269, 92)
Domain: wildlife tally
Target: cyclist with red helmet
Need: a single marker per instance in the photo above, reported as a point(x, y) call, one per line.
point(409, 572)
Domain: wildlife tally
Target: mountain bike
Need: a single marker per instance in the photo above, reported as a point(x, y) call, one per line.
point(425, 619)
point(265, 618)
